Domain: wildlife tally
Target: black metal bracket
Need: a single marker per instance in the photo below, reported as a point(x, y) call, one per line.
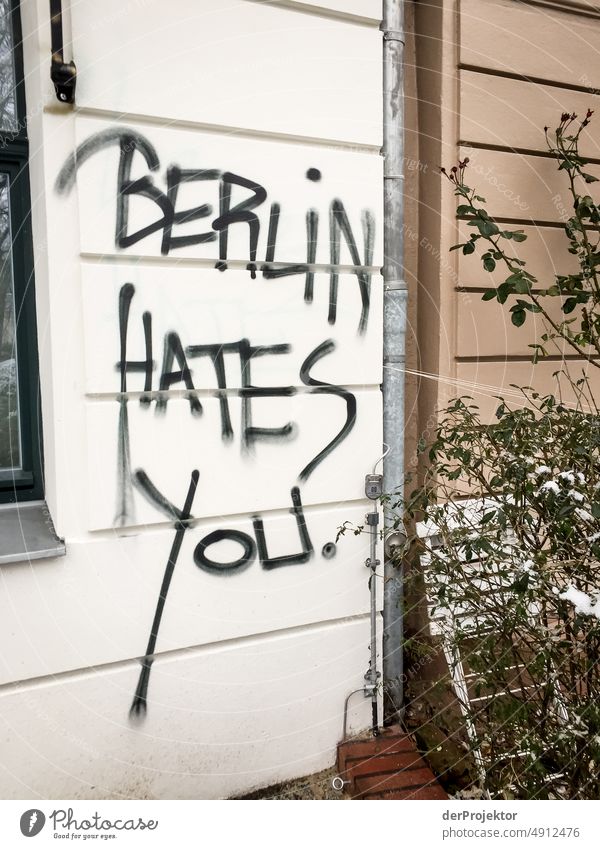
point(63, 74)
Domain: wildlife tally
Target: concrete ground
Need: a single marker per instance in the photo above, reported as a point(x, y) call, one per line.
point(316, 786)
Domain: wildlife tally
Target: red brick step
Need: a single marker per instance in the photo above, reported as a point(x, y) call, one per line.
point(403, 780)
point(431, 791)
point(393, 762)
point(386, 767)
point(377, 746)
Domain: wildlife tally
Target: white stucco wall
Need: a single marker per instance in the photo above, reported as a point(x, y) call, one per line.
point(252, 664)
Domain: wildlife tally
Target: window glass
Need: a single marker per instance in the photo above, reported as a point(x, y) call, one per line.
point(10, 442)
point(8, 105)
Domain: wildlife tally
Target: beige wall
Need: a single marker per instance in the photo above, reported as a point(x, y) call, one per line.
point(489, 75)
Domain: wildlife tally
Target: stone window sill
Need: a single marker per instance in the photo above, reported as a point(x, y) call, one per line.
point(27, 533)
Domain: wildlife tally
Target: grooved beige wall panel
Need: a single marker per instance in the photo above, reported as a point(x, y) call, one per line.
point(513, 113)
point(522, 187)
point(485, 380)
point(484, 329)
point(545, 251)
point(512, 37)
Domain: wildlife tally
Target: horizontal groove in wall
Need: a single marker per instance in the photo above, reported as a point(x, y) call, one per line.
point(101, 534)
point(319, 12)
point(519, 358)
point(231, 392)
point(479, 290)
point(116, 665)
point(222, 130)
point(523, 222)
point(233, 264)
point(522, 151)
point(509, 75)
point(577, 9)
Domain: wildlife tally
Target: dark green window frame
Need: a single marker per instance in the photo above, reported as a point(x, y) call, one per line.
point(25, 483)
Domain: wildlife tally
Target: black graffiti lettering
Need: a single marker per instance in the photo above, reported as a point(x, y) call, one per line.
point(124, 512)
point(124, 365)
point(173, 350)
point(321, 388)
point(250, 433)
point(216, 355)
point(268, 270)
point(329, 550)
point(247, 392)
point(150, 365)
point(233, 567)
point(143, 484)
point(130, 141)
point(368, 226)
point(312, 230)
point(175, 177)
point(144, 187)
point(125, 137)
point(289, 559)
point(340, 225)
point(139, 704)
point(272, 235)
point(241, 213)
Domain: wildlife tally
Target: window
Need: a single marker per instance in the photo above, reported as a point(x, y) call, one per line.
point(20, 438)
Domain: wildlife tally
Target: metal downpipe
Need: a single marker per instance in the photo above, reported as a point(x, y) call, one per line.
point(394, 333)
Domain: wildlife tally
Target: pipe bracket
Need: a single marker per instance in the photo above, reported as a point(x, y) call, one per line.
point(392, 35)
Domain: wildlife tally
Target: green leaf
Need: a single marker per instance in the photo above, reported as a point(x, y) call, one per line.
point(569, 305)
point(518, 317)
point(522, 286)
point(519, 236)
point(468, 248)
point(464, 209)
point(502, 292)
point(490, 295)
point(487, 228)
point(489, 264)
point(589, 178)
